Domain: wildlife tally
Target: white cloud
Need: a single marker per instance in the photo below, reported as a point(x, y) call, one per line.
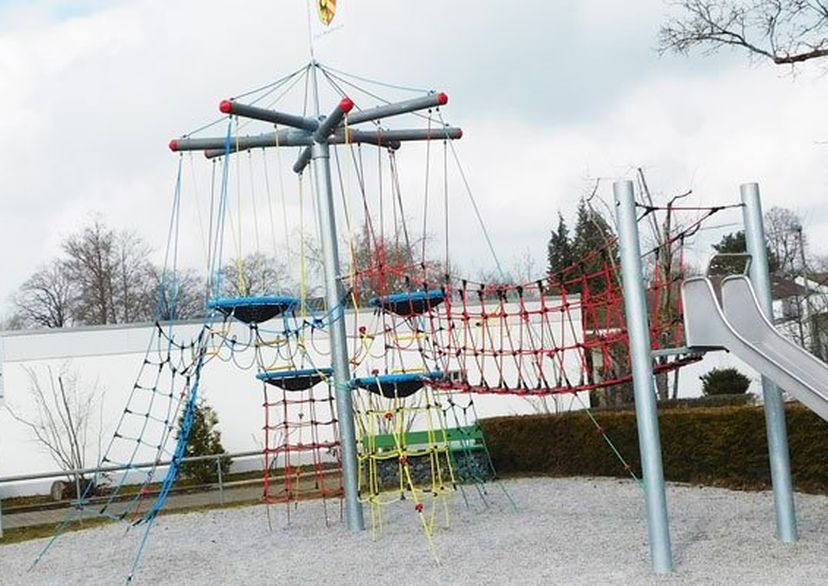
point(91, 101)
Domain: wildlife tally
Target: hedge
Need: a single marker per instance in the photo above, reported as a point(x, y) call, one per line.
point(719, 446)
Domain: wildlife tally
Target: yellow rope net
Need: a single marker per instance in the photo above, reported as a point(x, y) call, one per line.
point(404, 457)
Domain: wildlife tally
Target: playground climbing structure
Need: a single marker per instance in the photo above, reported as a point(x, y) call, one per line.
point(368, 389)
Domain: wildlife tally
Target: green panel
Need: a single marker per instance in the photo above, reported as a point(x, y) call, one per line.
point(464, 438)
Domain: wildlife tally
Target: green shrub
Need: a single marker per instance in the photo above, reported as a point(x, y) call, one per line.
point(724, 400)
point(724, 381)
point(722, 446)
point(204, 440)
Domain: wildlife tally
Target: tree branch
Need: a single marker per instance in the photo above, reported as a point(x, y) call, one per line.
point(786, 32)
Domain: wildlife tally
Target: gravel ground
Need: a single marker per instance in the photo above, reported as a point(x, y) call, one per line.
point(570, 531)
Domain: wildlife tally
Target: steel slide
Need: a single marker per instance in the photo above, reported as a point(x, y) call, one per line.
point(739, 326)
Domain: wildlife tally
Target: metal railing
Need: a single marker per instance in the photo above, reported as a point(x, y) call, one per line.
point(78, 474)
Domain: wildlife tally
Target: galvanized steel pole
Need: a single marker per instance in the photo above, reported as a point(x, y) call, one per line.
point(335, 297)
point(635, 309)
point(780, 464)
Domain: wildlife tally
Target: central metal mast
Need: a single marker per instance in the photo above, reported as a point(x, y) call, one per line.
point(335, 299)
point(316, 135)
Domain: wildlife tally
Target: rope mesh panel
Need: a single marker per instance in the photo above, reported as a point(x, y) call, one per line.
point(562, 334)
point(301, 445)
point(396, 465)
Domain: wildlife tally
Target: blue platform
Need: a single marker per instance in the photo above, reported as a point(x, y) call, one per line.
point(254, 310)
point(295, 380)
point(396, 385)
point(409, 303)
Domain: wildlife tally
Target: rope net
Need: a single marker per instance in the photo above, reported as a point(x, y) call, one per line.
point(562, 334)
point(398, 465)
point(300, 449)
point(423, 341)
point(301, 446)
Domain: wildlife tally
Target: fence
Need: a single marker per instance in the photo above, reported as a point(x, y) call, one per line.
point(77, 474)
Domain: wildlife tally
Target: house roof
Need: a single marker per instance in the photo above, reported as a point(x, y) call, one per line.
point(783, 288)
point(819, 278)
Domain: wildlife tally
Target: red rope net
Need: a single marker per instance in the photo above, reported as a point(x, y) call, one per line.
point(301, 450)
point(562, 334)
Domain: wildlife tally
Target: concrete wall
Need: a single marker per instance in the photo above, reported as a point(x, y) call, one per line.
point(110, 359)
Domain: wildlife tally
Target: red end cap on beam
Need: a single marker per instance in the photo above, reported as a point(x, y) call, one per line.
point(346, 104)
point(226, 106)
point(173, 145)
point(442, 98)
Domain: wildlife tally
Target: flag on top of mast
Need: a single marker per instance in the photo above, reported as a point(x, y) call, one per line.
point(327, 10)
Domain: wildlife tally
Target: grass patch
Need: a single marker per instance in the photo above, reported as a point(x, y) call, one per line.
point(20, 534)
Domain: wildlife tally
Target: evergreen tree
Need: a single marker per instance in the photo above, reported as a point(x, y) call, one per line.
point(204, 440)
point(734, 244)
point(589, 246)
point(724, 381)
point(559, 250)
point(577, 265)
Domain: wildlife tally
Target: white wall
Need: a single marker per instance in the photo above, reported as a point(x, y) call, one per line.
point(111, 358)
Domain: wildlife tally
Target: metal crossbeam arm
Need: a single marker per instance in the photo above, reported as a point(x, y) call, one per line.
point(377, 138)
point(215, 147)
point(256, 113)
point(285, 137)
point(303, 160)
point(398, 108)
point(387, 137)
point(328, 124)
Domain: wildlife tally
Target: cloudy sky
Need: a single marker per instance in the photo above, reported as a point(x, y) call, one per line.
point(551, 95)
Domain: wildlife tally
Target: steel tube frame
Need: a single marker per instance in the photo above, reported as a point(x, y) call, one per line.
point(327, 125)
point(376, 138)
point(334, 296)
point(635, 309)
point(256, 113)
point(286, 137)
point(335, 301)
point(774, 407)
point(302, 160)
point(397, 108)
point(406, 134)
point(216, 147)
point(335, 129)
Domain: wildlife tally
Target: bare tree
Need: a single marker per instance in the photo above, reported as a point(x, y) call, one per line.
point(787, 32)
point(525, 268)
point(665, 267)
point(13, 321)
point(179, 295)
point(378, 264)
point(255, 274)
point(60, 419)
point(46, 299)
point(133, 288)
point(544, 404)
point(783, 229)
point(105, 276)
point(112, 273)
point(90, 266)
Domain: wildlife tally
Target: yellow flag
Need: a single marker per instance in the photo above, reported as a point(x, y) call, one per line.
point(327, 10)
